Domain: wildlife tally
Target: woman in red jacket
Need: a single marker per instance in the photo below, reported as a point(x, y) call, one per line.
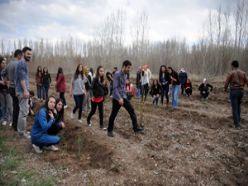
point(61, 85)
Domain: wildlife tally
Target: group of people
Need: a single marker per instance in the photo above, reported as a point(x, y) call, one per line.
point(168, 82)
point(92, 89)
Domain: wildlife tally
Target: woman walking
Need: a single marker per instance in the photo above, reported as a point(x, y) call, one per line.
point(175, 86)
point(77, 89)
point(61, 85)
point(46, 81)
point(38, 78)
point(164, 80)
point(99, 87)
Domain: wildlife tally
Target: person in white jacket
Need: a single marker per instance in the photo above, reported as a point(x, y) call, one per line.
point(146, 76)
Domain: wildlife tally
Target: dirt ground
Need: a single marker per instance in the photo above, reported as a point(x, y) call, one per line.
point(195, 144)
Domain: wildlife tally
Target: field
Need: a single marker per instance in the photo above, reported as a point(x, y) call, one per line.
point(195, 144)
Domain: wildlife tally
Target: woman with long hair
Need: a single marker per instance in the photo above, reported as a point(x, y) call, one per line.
point(61, 85)
point(77, 89)
point(44, 119)
point(38, 78)
point(58, 124)
point(98, 88)
point(155, 91)
point(175, 86)
point(46, 81)
point(164, 80)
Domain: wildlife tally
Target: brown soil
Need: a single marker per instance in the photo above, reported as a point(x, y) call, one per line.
point(192, 145)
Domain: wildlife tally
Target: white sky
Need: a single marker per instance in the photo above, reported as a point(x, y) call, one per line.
point(58, 19)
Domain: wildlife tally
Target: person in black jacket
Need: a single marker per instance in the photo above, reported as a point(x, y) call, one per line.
point(183, 76)
point(99, 91)
point(175, 86)
point(46, 81)
point(164, 80)
point(205, 88)
point(155, 91)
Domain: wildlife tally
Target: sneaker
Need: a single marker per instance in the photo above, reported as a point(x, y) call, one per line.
point(80, 121)
point(89, 124)
point(51, 147)
point(110, 134)
point(72, 115)
point(10, 124)
point(37, 149)
point(103, 128)
point(27, 135)
point(139, 130)
point(65, 106)
point(4, 123)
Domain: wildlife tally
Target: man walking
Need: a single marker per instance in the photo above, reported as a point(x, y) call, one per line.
point(237, 80)
point(22, 91)
point(120, 99)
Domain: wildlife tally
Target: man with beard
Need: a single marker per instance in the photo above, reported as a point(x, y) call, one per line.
point(22, 91)
point(120, 99)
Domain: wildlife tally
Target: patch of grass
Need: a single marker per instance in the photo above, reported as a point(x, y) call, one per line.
point(50, 181)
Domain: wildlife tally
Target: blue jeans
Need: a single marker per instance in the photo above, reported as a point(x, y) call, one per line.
point(39, 91)
point(138, 91)
point(236, 97)
point(175, 94)
point(79, 99)
point(45, 140)
point(45, 91)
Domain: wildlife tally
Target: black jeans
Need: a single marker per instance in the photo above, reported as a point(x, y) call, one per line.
point(54, 129)
point(182, 88)
point(93, 111)
point(165, 91)
point(62, 96)
point(204, 94)
point(115, 109)
point(15, 107)
point(79, 99)
point(236, 96)
point(144, 91)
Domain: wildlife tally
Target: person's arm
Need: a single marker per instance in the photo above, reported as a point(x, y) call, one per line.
point(227, 82)
point(21, 75)
point(116, 85)
point(44, 123)
point(211, 87)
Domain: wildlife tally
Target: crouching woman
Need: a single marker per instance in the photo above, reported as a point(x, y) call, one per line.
point(44, 119)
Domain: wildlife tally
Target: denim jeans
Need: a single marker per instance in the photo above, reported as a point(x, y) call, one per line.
point(175, 94)
point(6, 106)
point(236, 96)
point(138, 91)
point(23, 113)
point(165, 92)
point(39, 91)
point(79, 99)
point(45, 91)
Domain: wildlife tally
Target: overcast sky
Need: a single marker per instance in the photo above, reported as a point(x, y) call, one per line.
point(58, 19)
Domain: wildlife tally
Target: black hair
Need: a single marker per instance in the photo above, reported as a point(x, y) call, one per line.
point(60, 70)
point(46, 106)
point(235, 64)
point(26, 49)
point(1, 59)
point(60, 115)
point(77, 73)
point(31, 93)
point(126, 63)
point(98, 75)
point(17, 52)
point(160, 70)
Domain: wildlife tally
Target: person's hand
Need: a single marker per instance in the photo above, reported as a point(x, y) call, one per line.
point(62, 124)
point(51, 114)
point(32, 112)
point(55, 111)
point(26, 94)
point(121, 102)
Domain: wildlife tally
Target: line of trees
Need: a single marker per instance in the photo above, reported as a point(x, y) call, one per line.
point(225, 38)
